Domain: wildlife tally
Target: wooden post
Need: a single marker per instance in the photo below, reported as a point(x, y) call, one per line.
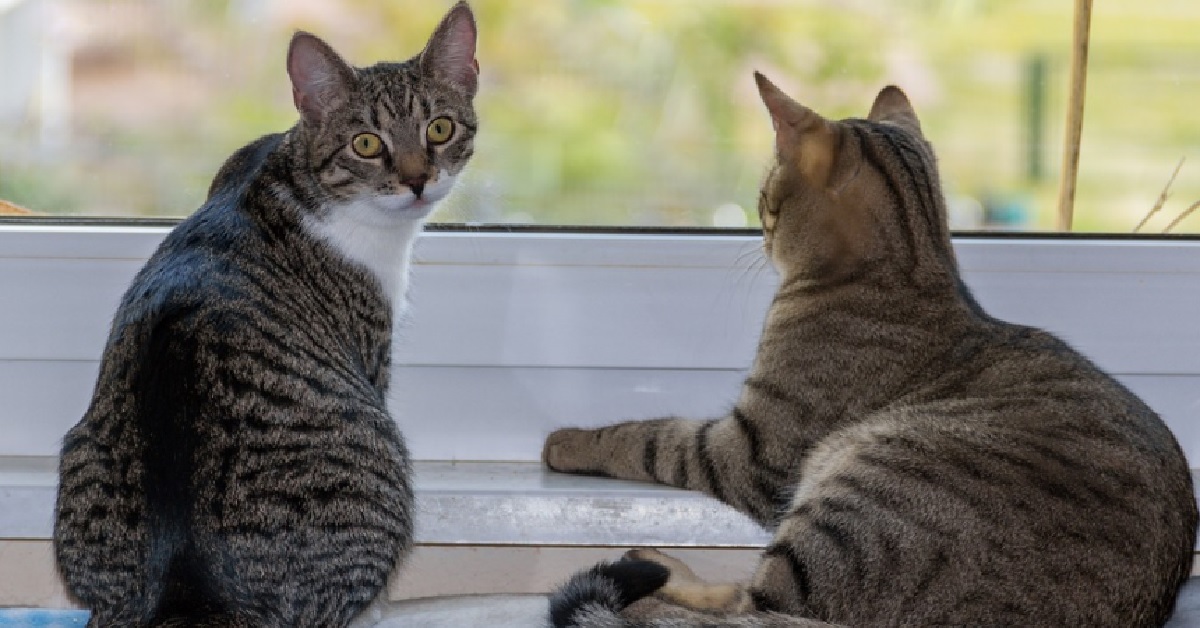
point(1035, 113)
point(1070, 167)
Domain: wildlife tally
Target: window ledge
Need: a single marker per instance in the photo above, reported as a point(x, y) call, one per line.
point(478, 503)
point(482, 503)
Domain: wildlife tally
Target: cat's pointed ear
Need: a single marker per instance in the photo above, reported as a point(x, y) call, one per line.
point(801, 135)
point(321, 80)
point(891, 105)
point(450, 53)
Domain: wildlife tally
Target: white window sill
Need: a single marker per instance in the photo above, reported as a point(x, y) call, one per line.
point(482, 503)
point(479, 503)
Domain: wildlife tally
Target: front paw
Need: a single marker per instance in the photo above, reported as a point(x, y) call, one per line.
point(570, 450)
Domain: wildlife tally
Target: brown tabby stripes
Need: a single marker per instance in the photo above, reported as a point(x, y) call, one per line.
point(937, 467)
point(238, 466)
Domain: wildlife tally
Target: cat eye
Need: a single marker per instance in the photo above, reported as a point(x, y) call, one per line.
point(367, 145)
point(439, 131)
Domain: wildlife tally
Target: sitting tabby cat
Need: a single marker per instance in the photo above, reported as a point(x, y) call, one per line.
point(920, 462)
point(238, 465)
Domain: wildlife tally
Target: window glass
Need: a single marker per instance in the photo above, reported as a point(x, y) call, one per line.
point(1140, 119)
point(615, 112)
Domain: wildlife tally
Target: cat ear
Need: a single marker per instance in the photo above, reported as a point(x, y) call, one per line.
point(801, 135)
point(891, 105)
point(320, 78)
point(450, 53)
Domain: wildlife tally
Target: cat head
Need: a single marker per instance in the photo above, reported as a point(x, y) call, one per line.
point(845, 197)
point(389, 139)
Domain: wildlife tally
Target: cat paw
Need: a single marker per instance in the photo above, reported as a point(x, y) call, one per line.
point(685, 588)
point(680, 573)
point(567, 450)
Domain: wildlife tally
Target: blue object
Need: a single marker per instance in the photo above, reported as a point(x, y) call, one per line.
point(42, 618)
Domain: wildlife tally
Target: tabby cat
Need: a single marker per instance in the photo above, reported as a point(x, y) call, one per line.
point(919, 462)
point(238, 465)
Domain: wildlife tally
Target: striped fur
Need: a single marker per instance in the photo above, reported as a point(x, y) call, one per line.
point(919, 462)
point(238, 465)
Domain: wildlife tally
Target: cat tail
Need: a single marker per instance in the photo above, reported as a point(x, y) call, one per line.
point(188, 580)
point(596, 597)
point(193, 598)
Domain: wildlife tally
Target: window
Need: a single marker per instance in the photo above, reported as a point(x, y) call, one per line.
point(596, 113)
point(606, 112)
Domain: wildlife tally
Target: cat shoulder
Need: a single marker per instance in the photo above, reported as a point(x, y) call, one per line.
point(239, 169)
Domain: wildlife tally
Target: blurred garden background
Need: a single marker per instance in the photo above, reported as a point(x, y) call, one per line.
point(616, 112)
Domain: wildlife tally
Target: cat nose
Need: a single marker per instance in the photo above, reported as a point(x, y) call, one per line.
point(416, 184)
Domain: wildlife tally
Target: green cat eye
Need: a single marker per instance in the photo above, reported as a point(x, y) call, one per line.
point(440, 130)
point(367, 145)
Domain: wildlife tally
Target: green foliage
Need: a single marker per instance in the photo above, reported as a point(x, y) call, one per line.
point(643, 112)
point(28, 184)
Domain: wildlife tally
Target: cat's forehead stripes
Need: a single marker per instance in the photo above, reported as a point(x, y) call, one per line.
point(908, 168)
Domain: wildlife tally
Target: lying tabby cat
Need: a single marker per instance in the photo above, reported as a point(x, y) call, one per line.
point(238, 465)
point(920, 462)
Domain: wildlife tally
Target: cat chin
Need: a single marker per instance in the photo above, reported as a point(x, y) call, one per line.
point(382, 212)
point(404, 206)
point(410, 207)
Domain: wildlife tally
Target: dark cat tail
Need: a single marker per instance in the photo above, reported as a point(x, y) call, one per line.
point(604, 590)
point(194, 595)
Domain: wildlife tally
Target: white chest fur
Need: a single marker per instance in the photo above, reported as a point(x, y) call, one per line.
point(375, 235)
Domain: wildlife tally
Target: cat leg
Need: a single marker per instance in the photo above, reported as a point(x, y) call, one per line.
point(722, 457)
